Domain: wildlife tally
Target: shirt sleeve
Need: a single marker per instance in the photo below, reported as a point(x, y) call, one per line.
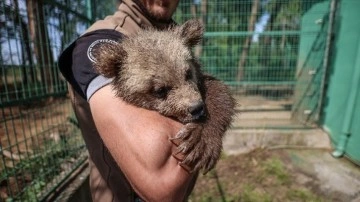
point(76, 61)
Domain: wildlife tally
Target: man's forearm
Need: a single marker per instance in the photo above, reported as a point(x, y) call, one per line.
point(138, 140)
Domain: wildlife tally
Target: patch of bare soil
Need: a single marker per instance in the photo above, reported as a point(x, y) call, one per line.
point(261, 175)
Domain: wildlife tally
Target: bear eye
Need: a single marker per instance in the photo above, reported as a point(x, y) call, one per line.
point(188, 75)
point(161, 92)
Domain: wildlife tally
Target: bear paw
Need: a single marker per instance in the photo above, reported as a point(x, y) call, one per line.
point(200, 152)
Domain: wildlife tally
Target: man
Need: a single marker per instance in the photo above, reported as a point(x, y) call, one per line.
point(130, 152)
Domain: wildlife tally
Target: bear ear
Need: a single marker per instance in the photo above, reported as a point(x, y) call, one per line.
point(109, 57)
point(191, 31)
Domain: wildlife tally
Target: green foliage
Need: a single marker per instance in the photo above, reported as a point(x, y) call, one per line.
point(228, 15)
point(104, 8)
point(271, 63)
point(219, 58)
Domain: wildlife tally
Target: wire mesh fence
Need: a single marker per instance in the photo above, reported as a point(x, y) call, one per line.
point(41, 145)
point(252, 45)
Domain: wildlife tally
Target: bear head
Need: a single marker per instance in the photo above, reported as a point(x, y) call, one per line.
point(157, 70)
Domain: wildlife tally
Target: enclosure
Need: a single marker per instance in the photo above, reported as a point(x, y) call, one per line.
point(277, 56)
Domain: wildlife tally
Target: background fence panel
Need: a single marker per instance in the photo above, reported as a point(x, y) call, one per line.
point(40, 144)
point(253, 46)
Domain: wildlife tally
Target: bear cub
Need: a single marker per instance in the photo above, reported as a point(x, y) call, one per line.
point(157, 70)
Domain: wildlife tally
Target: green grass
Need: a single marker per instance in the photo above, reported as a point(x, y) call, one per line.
point(263, 179)
point(302, 195)
point(274, 167)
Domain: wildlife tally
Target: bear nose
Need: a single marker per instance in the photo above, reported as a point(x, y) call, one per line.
point(197, 110)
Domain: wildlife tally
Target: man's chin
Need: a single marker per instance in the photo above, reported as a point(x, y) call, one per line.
point(161, 15)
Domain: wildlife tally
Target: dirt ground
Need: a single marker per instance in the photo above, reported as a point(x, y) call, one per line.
point(259, 176)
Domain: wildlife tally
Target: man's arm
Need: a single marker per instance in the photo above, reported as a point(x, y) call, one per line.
point(138, 140)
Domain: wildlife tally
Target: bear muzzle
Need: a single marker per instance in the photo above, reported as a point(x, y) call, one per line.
point(197, 110)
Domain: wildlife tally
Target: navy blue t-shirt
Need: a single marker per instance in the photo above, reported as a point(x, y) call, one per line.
point(76, 61)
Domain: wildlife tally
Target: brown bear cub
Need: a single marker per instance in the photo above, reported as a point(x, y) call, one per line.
point(157, 70)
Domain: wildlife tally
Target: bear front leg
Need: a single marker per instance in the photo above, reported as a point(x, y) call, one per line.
point(201, 143)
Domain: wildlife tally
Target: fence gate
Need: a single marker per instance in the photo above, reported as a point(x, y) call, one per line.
point(313, 60)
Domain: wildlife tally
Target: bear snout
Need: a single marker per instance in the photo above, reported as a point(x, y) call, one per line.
point(197, 110)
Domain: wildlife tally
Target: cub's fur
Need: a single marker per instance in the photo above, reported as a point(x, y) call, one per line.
point(157, 70)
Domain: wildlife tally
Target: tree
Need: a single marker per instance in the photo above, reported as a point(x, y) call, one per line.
point(12, 27)
point(40, 38)
point(247, 42)
point(25, 43)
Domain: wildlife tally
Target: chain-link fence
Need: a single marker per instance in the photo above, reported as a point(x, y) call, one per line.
point(41, 145)
point(252, 45)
